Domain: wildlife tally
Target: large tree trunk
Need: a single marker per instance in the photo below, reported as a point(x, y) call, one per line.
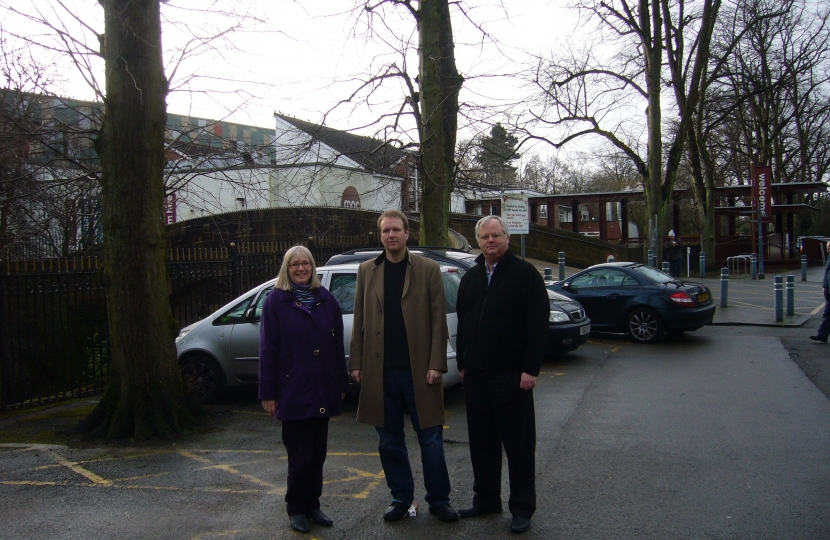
point(145, 396)
point(440, 83)
point(652, 42)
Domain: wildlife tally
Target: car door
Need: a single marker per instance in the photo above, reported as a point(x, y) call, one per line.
point(245, 340)
point(618, 292)
point(600, 293)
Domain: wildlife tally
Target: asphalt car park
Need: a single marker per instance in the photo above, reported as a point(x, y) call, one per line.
point(712, 434)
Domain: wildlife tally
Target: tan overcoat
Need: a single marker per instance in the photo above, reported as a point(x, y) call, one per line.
point(425, 318)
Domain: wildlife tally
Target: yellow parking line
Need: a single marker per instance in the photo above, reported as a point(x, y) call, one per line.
point(818, 308)
point(89, 475)
point(141, 477)
point(193, 456)
point(32, 483)
point(365, 493)
point(359, 474)
point(227, 468)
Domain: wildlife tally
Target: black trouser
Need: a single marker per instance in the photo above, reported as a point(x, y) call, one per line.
point(501, 414)
point(306, 444)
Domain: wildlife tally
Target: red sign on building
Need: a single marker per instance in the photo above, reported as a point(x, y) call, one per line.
point(762, 191)
point(170, 209)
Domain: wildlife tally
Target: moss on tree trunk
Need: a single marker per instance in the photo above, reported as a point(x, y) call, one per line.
point(145, 396)
point(440, 84)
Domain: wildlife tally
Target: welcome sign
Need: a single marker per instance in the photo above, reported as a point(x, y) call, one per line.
point(762, 191)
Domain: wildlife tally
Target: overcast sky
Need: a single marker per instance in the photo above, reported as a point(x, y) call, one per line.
point(305, 56)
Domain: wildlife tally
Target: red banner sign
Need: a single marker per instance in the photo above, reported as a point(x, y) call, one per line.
point(170, 209)
point(762, 191)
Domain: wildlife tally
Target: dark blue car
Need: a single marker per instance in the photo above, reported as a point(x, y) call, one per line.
point(638, 300)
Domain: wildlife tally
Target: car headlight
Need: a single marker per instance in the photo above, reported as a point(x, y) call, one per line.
point(558, 316)
point(183, 333)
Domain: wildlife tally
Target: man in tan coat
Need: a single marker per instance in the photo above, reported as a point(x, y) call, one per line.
point(399, 355)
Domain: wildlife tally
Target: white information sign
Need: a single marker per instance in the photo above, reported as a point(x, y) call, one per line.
point(515, 212)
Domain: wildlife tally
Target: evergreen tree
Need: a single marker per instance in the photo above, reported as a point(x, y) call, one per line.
point(495, 157)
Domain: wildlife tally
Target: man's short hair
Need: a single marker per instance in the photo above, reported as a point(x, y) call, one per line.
point(501, 221)
point(394, 214)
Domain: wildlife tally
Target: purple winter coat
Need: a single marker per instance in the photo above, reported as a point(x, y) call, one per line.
point(302, 363)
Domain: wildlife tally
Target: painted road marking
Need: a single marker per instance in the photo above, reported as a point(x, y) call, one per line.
point(227, 468)
point(369, 480)
point(71, 465)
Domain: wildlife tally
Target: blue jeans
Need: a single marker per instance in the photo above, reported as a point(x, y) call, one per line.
point(399, 398)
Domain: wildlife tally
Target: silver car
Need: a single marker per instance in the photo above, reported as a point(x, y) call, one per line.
point(222, 350)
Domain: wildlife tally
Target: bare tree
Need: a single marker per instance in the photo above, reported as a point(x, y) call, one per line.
point(145, 396)
point(46, 166)
point(430, 99)
point(766, 101)
point(659, 44)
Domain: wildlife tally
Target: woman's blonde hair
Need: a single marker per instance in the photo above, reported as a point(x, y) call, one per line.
point(284, 280)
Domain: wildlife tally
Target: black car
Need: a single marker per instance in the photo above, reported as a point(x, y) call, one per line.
point(568, 326)
point(443, 256)
point(638, 300)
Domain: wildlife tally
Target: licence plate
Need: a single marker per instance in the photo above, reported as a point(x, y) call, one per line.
point(585, 329)
point(703, 297)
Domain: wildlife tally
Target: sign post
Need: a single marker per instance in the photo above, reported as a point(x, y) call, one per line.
point(514, 210)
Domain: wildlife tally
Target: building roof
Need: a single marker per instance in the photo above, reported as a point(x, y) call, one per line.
point(372, 154)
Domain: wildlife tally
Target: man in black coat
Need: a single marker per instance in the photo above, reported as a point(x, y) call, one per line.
point(503, 312)
point(824, 329)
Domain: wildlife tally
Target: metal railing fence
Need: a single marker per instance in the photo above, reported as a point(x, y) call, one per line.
point(53, 314)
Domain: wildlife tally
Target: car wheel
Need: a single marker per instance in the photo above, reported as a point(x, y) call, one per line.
point(643, 325)
point(203, 378)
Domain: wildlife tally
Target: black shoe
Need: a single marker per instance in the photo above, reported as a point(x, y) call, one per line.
point(318, 517)
point(443, 512)
point(299, 523)
point(396, 511)
point(472, 512)
point(520, 524)
point(819, 339)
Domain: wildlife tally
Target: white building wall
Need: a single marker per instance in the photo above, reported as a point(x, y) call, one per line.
point(219, 192)
point(324, 186)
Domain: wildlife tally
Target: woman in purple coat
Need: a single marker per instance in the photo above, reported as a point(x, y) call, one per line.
point(302, 377)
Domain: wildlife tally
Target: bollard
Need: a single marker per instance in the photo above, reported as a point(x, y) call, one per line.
point(561, 265)
point(666, 267)
point(753, 263)
point(651, 258)
point(548, 274)
point(724, 286)
point(779, 298)
point(804, 268)
point(702, 264)
point(790, 295)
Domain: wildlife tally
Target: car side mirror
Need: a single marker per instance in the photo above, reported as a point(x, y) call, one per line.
point(249, 313)
point(566, 285)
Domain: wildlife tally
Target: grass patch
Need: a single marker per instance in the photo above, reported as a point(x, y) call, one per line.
point(46, 424)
